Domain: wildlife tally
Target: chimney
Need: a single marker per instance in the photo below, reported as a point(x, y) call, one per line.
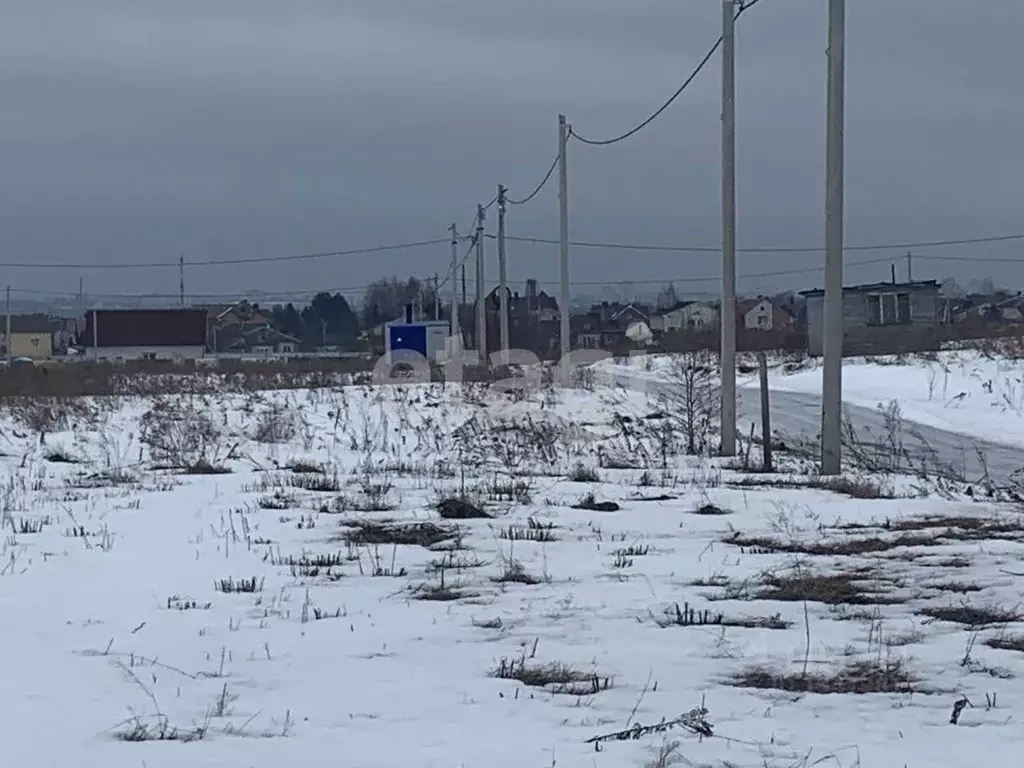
point(408, 314)
point(531, 295)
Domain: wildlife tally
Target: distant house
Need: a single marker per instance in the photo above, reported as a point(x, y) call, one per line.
point(145, 334)
point(244, 315)
point(32, 336)
point(688, 316)
point(762, 314)
point(533, 320)
point(260, 341)
point(605, 325)
point(996, 309)
point(879, 318)
point(229, 325)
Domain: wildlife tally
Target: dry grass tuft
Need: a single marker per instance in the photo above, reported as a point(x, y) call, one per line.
point(973, 616)
point(460, 508)
point(800, 585)
point(364, 532)
point(838, 547)
point(555, 677)
point(875, 676)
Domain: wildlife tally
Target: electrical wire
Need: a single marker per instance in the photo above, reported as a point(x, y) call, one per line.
point(227, 262)
point(904, 245)
point(658, 112)
point(451, 276)
point(783, 249)
point(469, 251)
point(716, 278)
point(539, 187)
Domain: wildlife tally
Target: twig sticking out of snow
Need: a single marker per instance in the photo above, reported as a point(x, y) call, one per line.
point(694, 721)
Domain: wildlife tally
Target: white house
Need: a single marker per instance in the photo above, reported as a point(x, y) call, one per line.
point(756, 314)
point(691, 316)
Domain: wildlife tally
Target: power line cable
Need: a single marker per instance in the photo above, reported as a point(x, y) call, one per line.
point(716, 278)
point(658, 112)
point(539, 187)
point(904, 245)
point(783, 249)
point(234, 261)
point(469, 252)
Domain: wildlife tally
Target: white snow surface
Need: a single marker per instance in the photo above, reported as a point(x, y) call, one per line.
point(114, 619)
point(964, 392)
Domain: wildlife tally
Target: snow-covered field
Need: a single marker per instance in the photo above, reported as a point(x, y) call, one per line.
point(964, 392)
point(313, 607)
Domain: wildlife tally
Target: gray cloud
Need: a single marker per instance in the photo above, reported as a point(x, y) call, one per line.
point(137, 131)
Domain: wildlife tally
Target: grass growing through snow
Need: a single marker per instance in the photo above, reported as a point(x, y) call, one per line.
point(555, 677)
point(888, 675)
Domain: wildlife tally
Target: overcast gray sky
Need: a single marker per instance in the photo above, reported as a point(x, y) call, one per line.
point(138, 130)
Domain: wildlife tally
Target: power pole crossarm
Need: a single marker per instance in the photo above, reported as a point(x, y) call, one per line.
point(832, 365)
point(728, 322)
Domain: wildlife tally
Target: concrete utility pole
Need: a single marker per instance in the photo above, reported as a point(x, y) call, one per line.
point(481, 309)
point(563, 235)
point(437, 298)
point(181, 279)
point(728, 319)
point(7, 337)
point(502, 276)
point(832, 366)
point(454, 331)
point(910, 267)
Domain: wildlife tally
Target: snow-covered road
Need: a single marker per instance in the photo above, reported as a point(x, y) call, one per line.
point(798, 415)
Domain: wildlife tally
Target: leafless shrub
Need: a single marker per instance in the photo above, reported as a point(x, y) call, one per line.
point(179, 434)
point(277, 424)
point(49, 413)
point(581, 473)
point(691, 399)
point(372, 496)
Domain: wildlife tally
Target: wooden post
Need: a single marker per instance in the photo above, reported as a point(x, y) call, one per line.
point(766, 418)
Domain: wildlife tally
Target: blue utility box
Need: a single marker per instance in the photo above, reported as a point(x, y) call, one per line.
point(426, 338)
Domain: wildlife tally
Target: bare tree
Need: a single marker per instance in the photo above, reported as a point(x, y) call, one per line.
point(690, 397)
